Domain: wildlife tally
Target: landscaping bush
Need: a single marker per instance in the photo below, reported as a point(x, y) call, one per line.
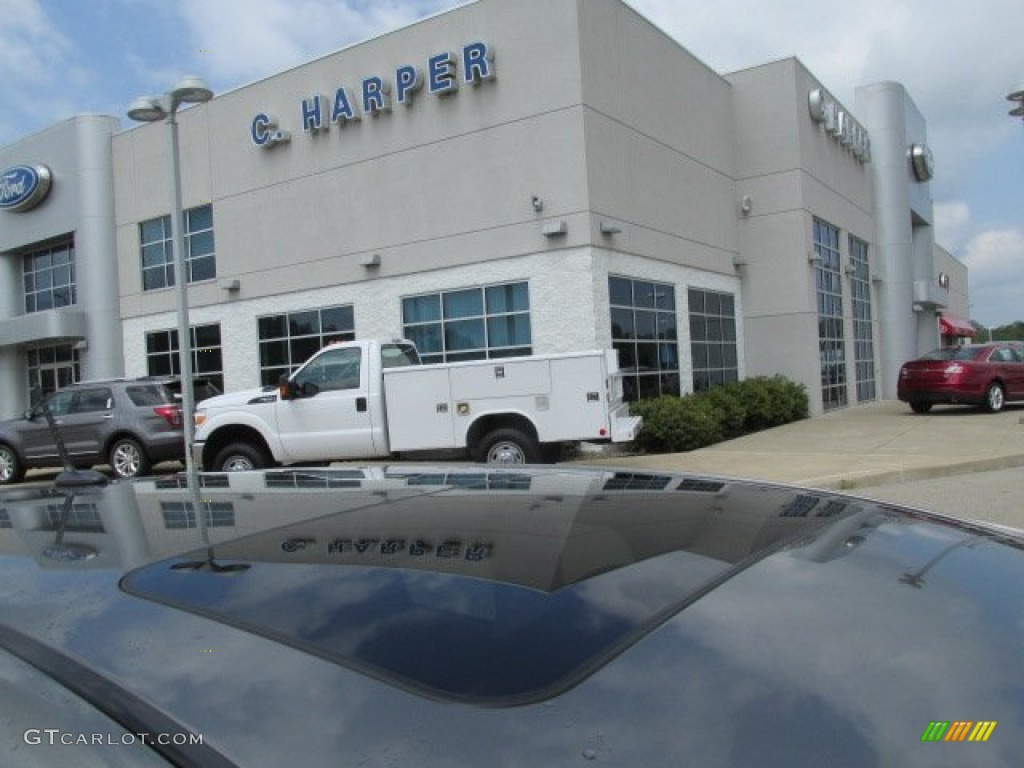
point(729, 400)
point(675, 424)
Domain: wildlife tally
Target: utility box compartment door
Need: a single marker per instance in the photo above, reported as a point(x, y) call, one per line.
point(490, 379)
point(419, 404)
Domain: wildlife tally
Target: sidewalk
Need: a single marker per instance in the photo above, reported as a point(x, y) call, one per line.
point(876, 444)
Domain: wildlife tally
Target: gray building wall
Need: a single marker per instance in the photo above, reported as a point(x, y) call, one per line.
point(904, 236)
point(79, 204)
point(789, 171)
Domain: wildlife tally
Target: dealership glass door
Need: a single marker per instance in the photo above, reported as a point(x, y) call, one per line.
point(50, 369)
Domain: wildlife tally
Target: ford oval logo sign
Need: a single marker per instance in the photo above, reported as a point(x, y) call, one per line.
point(23, 187)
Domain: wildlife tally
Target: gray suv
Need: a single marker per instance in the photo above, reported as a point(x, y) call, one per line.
point(128, 424)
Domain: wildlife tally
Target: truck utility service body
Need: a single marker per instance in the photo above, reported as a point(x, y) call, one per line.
point(365, 399)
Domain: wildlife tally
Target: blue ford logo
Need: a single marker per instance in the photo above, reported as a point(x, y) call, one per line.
point(23, 187)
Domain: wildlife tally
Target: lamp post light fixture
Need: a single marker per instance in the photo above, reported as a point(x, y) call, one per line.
point(1017, 96)
point(151, 109)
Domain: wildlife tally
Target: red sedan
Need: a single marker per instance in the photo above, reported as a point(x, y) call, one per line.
point(988, 375)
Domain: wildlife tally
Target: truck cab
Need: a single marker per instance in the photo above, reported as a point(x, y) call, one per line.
point(331, 407)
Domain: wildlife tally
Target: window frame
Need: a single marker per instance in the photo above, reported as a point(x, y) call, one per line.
point(42, 290)
point(649, 308)
point(283, 351)
point(438, 322)
point(162, 247)
point(207, 358)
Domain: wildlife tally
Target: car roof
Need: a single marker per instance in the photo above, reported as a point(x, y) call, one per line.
point(578, 608)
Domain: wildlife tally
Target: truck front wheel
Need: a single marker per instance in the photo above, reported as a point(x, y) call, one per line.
point(509, 446)
point(240, 457)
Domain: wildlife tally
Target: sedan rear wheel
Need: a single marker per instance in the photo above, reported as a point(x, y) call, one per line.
point(995, 398)
point(11, 470)
point(918, 406)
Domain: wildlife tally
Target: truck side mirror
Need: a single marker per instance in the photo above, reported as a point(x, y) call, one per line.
point(285, 388)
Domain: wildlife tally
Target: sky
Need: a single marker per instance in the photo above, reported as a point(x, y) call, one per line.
point(957, 58)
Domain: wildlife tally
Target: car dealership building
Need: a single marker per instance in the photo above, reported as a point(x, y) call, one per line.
point(504, 178)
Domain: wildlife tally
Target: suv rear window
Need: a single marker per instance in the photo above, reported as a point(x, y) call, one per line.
point(149, 394)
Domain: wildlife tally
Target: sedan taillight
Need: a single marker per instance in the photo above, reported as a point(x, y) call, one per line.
point(170, 413)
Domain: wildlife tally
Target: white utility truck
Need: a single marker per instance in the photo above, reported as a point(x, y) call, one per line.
point(368, 399)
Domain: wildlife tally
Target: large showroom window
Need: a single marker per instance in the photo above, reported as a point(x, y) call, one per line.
point(158, 251)
point(49, 277)
point(470, 324)
point(50, 369)
point(288, 340)
point(643, 316)
point(207, 359)
point(713, 338)
point(831, 338)
point(863, 334)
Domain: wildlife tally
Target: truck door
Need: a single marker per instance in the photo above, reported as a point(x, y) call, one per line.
point(329, 416)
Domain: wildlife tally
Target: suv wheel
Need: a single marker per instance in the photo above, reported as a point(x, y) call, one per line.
point(240, 457)
point(11, 470)
point(127, 458)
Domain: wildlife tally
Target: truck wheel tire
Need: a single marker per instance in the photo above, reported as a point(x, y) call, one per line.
point(240, 457)
point(509, 446)
point(11, 470)
point(127, 458)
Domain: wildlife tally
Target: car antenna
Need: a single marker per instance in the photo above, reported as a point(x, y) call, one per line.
point(71, 476)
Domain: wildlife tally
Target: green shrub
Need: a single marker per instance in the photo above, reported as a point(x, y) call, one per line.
point(728, 399)
point(674, 424)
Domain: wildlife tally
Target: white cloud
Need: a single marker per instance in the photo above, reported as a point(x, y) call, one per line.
point(31, 47)
point(245, 40)
point(957, 60)
point(952, 224)
point(994, 255)
point(995, 259)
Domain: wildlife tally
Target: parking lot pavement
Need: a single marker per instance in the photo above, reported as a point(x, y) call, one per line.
point(995, 496)
point(881, 443)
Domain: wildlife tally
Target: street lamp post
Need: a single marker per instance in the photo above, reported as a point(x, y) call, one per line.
point(1017, 96)
point(150, 109)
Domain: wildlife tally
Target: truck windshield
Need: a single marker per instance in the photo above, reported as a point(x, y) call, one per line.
point(398, 355)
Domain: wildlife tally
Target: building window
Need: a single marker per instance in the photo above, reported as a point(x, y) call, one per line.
point(181, 515)
point(50, 369)
point(470, 324)
point(79, 517)
point(644, 333)
point(158, 251)
point(207, 361)
point(863, 335)
point(49, 277)
point(713, 338)
point(290, 339)
point(831, 336)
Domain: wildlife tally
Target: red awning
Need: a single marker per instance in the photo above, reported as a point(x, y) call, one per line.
point(950, 325)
